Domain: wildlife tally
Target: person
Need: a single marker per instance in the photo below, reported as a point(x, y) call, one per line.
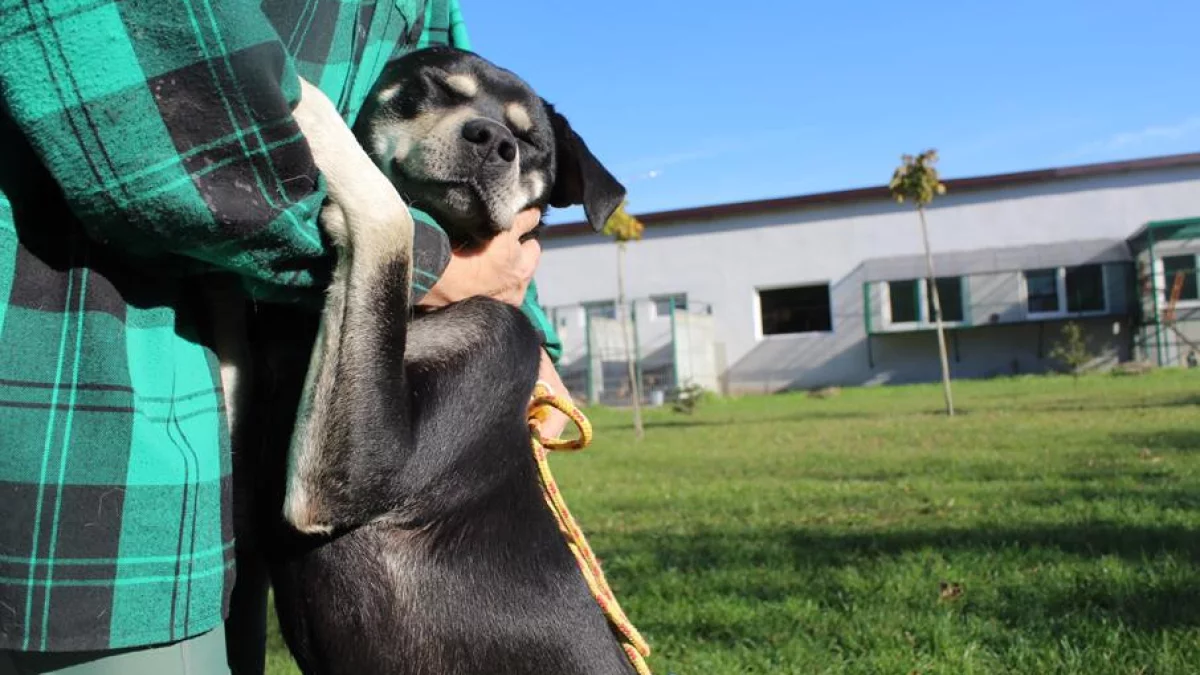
point(146, 147)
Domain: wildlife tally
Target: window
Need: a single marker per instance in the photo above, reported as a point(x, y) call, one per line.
point(911, 300)
point(1173, 265)
point(1042, 289)
point(663, 304)
point(950, 297)
point(606, 309)
point(904, 301)
point(1065, 290)
point(1085, 288)
point(800, 309)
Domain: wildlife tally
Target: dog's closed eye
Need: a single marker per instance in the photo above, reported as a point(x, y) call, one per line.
point(463, 85)
point(518, 117)
point(460, 87)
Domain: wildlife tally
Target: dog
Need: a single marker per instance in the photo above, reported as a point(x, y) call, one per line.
point(414, 539)
point(472, 145)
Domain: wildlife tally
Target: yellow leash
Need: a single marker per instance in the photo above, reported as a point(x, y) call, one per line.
point(544, 399)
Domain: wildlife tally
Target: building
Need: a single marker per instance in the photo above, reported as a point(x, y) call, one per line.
point(826, 289)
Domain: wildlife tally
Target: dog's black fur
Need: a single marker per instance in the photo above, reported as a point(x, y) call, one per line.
point(441, 557)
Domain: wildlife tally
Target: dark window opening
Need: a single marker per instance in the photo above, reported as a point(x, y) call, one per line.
point(1042, 288)
point(903, 301)
point(911, 300)
point(800, 309)
point(950, 297)
point(1085, 288)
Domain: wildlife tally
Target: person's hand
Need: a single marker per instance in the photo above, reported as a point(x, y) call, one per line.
point(556, 421)
point(502, 268)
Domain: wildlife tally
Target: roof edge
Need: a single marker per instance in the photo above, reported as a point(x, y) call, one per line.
point(967, 184)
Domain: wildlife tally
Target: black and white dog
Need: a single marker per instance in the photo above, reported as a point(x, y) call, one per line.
point(471, 144)
point(415, 539)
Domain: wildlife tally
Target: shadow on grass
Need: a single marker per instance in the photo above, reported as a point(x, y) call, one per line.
point(1152, 495)
point(806, 548)
point(1144, 609)
point(704, 422)
point(1088, 540)
point(1173, 440)
point(798, 417)
point(774, 565)
point(812, 412)
point(1085, 404)
point(1151, 475)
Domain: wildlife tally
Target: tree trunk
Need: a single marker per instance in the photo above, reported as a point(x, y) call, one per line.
point(634, 385)
point(937, 310)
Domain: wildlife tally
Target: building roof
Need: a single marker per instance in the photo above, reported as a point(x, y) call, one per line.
point(991, 260)
point(1164, 230)
point(953, 185)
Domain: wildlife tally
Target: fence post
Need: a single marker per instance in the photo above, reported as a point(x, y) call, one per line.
point(637, 350)
point(587, 341)
point(674, 348)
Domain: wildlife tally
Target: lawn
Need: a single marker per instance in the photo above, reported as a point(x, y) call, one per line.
point(1053, 527)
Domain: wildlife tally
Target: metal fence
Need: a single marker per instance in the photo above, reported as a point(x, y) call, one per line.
point(671, 341)
point(1170, 330)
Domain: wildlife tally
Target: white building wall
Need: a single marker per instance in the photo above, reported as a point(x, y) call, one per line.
point(725, 261)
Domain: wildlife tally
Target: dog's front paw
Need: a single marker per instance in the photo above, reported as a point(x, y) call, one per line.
point(373, 218)
point(333, 221)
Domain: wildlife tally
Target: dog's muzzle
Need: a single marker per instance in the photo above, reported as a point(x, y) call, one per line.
point(491, 142)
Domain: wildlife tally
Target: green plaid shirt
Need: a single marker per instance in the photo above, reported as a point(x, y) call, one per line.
point(144, 144)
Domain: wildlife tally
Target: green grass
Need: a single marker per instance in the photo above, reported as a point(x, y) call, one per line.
point(785, 534)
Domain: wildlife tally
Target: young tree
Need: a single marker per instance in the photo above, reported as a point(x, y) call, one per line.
point(1072, 349)
point(624, 228)
point(916, 180)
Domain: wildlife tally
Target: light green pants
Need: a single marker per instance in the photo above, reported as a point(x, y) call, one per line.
point(201, 655)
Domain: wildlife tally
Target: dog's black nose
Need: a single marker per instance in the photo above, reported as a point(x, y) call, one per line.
point(492, 140)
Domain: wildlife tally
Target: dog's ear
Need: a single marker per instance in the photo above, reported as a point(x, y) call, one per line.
point(580, 178)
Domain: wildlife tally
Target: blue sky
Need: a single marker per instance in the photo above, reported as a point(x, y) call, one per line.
point(693, 103)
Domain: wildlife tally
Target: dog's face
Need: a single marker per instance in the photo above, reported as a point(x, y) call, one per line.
point(472, 144)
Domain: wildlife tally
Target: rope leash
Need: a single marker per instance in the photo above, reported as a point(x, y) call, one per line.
point(544, 399)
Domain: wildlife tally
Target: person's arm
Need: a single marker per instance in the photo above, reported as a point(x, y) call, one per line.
point(532, 308)
point(173, 140)
point(170, 136)
point(556, 421)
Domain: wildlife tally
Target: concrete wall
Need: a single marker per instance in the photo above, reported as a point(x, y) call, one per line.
point(694, 351)
point(725, 262)
point(994, 350)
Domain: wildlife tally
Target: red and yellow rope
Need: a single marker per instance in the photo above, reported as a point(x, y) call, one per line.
point(544, 400)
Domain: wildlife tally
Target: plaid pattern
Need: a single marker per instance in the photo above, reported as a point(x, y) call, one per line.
point(145, 144)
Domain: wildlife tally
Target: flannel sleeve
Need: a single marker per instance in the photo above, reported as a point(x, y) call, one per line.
point(169, 131)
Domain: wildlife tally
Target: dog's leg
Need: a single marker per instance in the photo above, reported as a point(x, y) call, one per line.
point(227, 317)
point(365, 316)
